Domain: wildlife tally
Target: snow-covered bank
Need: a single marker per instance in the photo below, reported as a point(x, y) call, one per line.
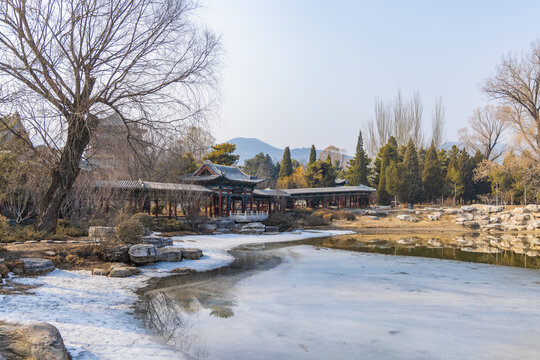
point(94, 313)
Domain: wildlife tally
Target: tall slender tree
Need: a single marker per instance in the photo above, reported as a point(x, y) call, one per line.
point(389, 153)
point(412, 175)
point(312, 155)
point(432, 177)
point(286, 168)
point(358, 171)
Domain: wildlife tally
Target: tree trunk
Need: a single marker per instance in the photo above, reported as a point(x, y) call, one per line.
point(65, 173)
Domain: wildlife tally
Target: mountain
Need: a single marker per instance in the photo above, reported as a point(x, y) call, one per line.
point(249, 147)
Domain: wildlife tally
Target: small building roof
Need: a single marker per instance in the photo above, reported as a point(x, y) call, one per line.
point(330, 190)
point(150, 185)
point(209, 171)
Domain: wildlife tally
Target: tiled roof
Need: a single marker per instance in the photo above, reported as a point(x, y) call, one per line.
point(232, 173)
point(149, 185)
point(270, 193)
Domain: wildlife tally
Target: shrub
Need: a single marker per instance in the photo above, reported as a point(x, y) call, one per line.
point(311, 220)
point(283, 221)
point(24, 233)
point(328, 217)
point(74, 260)
point(4, 225)
point(129, 232)
point(145, 219)
point(65, 229)
point(166, 225)
point(301, 211)
point(344, 215)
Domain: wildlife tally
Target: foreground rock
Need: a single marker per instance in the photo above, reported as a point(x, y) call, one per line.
point(123, 271)
point(157, 241)
point(191, 254)
point(31, 266)
point(101, 233)
point(253, 228)
point(170, 254)
point(142, 254)
point(35, 341)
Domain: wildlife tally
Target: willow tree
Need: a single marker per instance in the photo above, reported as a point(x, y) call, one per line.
point(67, 64)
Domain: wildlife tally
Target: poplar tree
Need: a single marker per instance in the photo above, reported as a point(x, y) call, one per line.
point(358, 171)
point(432, 179)
point(312, 155)
point(286, 168)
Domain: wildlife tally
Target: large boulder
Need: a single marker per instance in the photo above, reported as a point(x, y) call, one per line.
point(34, 341)
point(191, 254)
point(142, 254)
point(272, 229)
point(533, 208)
point(452, 211)
point(158, 241)
point(101, 233)
point(520, 210)
point(225, 225)
point(170, 254)
point(253, 228)
point(493, 209)
point(117, 254)
point(32, 266)
point(123, 271)
point(468, 209)
point(406, 217)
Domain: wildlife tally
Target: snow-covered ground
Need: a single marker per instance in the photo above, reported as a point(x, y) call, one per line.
point(94, 313)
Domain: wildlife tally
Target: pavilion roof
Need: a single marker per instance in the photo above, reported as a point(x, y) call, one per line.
point(231, 173)
point(330, 190)
point(149, 185)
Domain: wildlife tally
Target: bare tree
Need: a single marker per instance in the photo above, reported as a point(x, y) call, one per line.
point(516, 83)
point(438, 124)
point(484, 134)
point(71, 63)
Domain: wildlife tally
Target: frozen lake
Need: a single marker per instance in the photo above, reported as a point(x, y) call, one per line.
point(308, 302)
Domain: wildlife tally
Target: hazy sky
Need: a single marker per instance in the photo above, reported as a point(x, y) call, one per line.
point(302, 72)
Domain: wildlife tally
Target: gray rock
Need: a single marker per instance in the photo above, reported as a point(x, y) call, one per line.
point(468, 209)
point(405, 217)
point(272, 229)
point(123, 271)
point(493, 209)
point(170, 254)
point(101, 233)
point(471, 224)
point(373, 217)
point(520, 210)
point(533, 208)
point(493, 227)
point(34, 266)
point(118, 254)
point(253, 228)
point(141, 254)
point(158, 241)
point(210, 227)
point(536, 224)
point(521, 217)
point(452, 211)
point(225, 225)
point(34, 341)
point(191, 254)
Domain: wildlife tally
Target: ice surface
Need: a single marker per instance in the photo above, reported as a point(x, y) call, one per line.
point(332, 304)
point(94, 313)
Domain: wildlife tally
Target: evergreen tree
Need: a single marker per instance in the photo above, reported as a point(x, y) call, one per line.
point(286, 168)
point(358, 171)
point(222, 154)
point(389, 153)
point(396, 180)
point(432, 179)
point(413, 181)
point(321, 174)
point(312, 155)
point(262, 166)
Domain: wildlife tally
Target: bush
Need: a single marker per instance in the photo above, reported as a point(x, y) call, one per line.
point(146, 220)
point(311, 220)
point(129, 232)
point(4, 225)
point(166, 225)
point(66, 229)
point(283, 221)
point(303, 211)
point(344, 215)
point(24, 233)
point(328, 217)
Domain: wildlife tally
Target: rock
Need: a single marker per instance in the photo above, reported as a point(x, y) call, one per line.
point(191, 254)
point(493, 209)
point(157, 241)
point(225, 225)
point(452, 211)
point(533, 208)
point(379, 213)
point(536, 224)
point(170, 254)
point(101, 233)
point(521, 217)
point(49, 253)
point(253, 228)
point(272, 229)
point(468, 209)
point(471, 224)
point(494, 220)
point(123, 271)
point(4, 271)
point(373, 217)
point(405, 217)
point(99, 271)
point(520, 210)
point(34, 341)
point(493, 227)
point(142, 254)
point(118, 254)
point(210, 227)
point(183, 271)
point(33, 266)
point(31, 242)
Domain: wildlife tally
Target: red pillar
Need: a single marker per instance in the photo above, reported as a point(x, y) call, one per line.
point(251, 202)
point(219, 205)
point(157, 206)
point(170, 210)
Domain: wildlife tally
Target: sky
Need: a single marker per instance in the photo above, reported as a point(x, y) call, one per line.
point(302, 72)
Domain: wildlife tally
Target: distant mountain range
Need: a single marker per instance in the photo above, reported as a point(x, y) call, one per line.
point(249, 147)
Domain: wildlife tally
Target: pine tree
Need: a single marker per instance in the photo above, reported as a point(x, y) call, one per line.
point(312, 155)
point(388, 153)
point(396, 180)
point(358, 171)
point(222, 154)
point(413, 181)
point(432, 179)
point(286, 168)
